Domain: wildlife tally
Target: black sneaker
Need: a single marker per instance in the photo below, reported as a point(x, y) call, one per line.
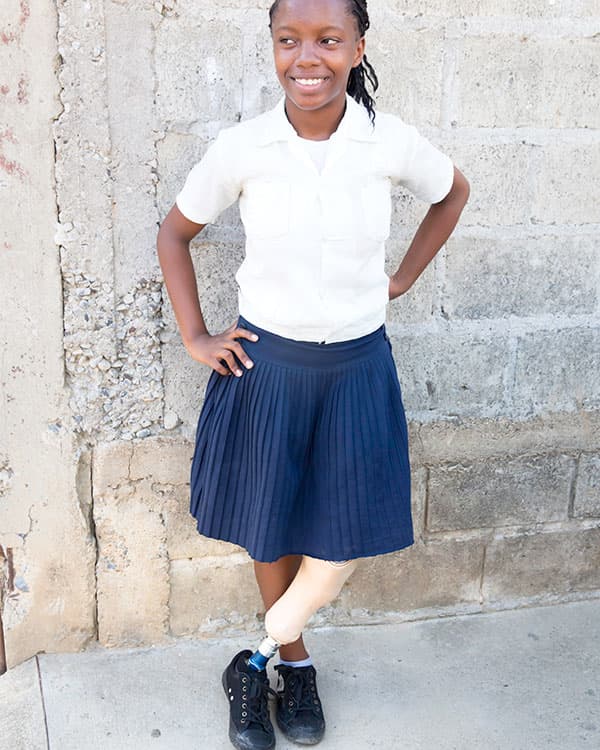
point(247, 691)
point(299, 711)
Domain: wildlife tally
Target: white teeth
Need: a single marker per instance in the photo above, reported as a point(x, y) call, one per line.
point(308, 81)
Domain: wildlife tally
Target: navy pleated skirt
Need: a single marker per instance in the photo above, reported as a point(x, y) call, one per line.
point(306, 452)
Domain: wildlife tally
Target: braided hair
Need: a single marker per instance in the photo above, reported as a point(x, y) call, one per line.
point(364, 72)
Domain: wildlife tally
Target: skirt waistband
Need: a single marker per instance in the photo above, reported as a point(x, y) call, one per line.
point(285, 351)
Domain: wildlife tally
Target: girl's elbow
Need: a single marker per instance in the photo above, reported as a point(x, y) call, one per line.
point(461, 186)
point(459, 192)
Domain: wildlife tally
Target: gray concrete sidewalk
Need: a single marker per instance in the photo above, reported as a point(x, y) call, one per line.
point(520, 679)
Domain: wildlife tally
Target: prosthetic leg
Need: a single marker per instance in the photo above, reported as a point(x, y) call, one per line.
point(316, 583)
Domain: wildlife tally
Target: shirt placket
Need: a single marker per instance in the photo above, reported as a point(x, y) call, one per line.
point(336, 150)
point(299, 152)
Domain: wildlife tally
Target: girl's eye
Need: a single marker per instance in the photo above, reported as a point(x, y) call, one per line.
point(329, 42)
point(286, 41)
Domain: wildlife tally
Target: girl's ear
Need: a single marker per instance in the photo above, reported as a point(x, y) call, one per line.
point(360, 52)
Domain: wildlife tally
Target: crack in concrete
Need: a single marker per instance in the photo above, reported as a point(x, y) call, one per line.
point(2, 641)
point(573, 488)
point(482, 578)
point(31, 522)
point(45, 713)
point(92, 526)
point(131, 454)
point(166, 622)
point(56, 124)
point(426, 504)
point(160, 136)
point(111, 181)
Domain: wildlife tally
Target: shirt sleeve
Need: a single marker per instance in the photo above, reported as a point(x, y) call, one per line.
point(211, 185)
point(423, 169)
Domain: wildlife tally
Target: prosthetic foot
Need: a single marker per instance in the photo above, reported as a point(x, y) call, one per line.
point(316, 584)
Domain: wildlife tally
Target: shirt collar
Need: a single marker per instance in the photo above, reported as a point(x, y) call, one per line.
point(355, 124)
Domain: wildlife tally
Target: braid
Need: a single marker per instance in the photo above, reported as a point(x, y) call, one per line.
point(364, 72)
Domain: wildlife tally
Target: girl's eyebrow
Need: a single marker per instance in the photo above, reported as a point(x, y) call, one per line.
point(324, 30)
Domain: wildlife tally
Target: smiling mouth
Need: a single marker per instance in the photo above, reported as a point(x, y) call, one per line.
point(308, 82)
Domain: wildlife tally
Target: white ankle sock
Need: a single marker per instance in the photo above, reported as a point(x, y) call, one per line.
point(302, 663)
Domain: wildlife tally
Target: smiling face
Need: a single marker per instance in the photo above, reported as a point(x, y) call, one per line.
point(315, 44)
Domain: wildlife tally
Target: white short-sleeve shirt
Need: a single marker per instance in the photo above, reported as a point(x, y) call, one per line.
point(315, 239)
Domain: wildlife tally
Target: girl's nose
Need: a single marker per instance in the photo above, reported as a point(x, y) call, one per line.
point(307, 54)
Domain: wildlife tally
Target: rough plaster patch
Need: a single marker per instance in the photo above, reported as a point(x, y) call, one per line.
point(112, 356)
point(111, 340)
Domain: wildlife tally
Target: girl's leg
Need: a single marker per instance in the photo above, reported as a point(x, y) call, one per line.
point(273, 580)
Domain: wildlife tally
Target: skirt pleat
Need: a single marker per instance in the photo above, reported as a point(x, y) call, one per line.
point(306, 453)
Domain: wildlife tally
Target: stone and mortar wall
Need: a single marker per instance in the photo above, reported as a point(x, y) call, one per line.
point(104, 108)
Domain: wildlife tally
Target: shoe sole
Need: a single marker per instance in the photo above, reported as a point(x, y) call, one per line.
point(234, 737)
point(307, 740)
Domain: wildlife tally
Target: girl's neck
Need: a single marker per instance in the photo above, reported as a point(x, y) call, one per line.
point(316, 125)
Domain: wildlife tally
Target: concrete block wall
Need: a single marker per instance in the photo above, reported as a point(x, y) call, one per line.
point(105, 106)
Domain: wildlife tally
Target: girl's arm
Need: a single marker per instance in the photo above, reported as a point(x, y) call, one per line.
point(434, 230)
point(173, 248)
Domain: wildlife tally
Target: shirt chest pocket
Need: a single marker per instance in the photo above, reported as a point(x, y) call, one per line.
point(365, 210)
point(265, 209)
point(377, 209)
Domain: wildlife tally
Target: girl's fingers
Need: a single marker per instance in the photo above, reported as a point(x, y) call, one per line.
point(224, 361)
point(246, 334)
point(227, 355)
point(221, 369)
point(241, 354)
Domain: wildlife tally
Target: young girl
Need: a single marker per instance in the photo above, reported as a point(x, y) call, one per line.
point(301, 444)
